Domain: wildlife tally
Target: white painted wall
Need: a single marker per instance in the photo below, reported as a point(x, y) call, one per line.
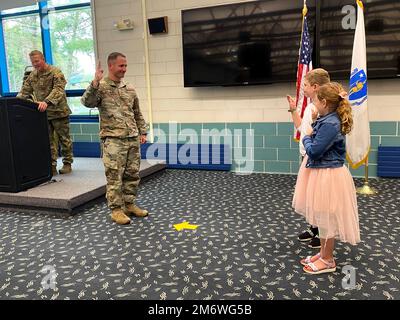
point(172, 102)
point(12, 4)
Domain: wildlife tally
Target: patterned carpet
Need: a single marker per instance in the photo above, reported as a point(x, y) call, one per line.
point(245, 245)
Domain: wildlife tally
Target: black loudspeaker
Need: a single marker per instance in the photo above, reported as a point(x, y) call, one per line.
point(25, 156)
point(158, 25)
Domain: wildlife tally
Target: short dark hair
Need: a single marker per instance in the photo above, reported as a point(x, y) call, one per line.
point(113, 56)
point(36, 53)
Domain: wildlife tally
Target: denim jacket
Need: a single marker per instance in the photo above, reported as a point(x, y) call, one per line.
point(326, 147)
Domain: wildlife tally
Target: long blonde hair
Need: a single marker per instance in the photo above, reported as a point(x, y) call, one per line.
point(336, 100)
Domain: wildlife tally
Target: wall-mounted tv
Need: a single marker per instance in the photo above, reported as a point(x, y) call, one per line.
point(257, 42)
point(243, 43)
point(382, 31)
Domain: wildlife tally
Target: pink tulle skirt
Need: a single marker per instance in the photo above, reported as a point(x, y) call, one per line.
point(326, 197)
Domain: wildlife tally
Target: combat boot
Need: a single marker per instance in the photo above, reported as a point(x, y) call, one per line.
point(54, 170)
point(132, 209)
point(119, 216)
point(66, 168)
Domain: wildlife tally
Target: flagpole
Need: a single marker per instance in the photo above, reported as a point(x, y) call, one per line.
point(358, 142)
point(366, 189)
point(298, 83)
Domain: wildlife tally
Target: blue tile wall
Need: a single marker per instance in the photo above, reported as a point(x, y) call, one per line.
point(270, 147)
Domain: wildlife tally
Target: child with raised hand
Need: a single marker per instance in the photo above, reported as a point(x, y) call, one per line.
point(313, 80)
point(330, 201)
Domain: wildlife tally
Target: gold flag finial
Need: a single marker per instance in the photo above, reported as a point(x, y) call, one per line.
point(305, 9)
point(360, 3)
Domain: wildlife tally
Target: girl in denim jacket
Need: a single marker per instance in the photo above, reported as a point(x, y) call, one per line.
point(325, 194)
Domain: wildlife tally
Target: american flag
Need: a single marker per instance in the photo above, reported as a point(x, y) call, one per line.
point(303, 67)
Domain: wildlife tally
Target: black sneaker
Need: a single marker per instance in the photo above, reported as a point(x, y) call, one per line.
point(308, 235)
point(315, 243)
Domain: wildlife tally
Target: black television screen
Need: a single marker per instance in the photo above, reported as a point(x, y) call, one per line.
point(244, 43)
point(382, 30)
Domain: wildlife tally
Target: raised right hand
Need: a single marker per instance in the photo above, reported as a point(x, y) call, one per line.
point(292, 102)
point(98, 75)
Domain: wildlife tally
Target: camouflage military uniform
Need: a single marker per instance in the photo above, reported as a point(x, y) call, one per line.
point(121, 124)
point(49, 86)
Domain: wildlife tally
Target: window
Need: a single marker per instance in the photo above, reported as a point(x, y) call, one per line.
point(63, 31)
point(21, 34)
point(58, 3)
point(78, 109)
point(72, 45)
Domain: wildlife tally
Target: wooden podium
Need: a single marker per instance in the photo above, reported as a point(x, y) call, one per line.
point(25, 156)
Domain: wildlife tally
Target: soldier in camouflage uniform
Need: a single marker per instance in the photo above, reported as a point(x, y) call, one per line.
point(46, 86)
point(122, 130)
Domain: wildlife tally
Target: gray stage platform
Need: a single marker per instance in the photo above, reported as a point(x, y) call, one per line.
point(66, 192)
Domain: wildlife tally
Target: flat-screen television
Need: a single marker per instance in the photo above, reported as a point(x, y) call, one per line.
point(257, 42)
point(244, 43)
point(382, 31)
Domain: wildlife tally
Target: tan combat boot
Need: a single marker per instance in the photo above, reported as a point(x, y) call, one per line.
point(66, 168)
point(132, 209)
point(119, 216)
point(54, 170)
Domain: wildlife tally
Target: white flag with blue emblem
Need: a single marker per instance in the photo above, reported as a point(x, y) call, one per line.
point(358, 141)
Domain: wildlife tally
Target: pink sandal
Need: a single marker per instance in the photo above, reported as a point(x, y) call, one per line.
point(308, 260)
point(312, 268)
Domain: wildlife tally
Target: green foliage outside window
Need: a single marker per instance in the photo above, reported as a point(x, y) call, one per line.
point(72, 45)
point(71, 39)
point(21, 35)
